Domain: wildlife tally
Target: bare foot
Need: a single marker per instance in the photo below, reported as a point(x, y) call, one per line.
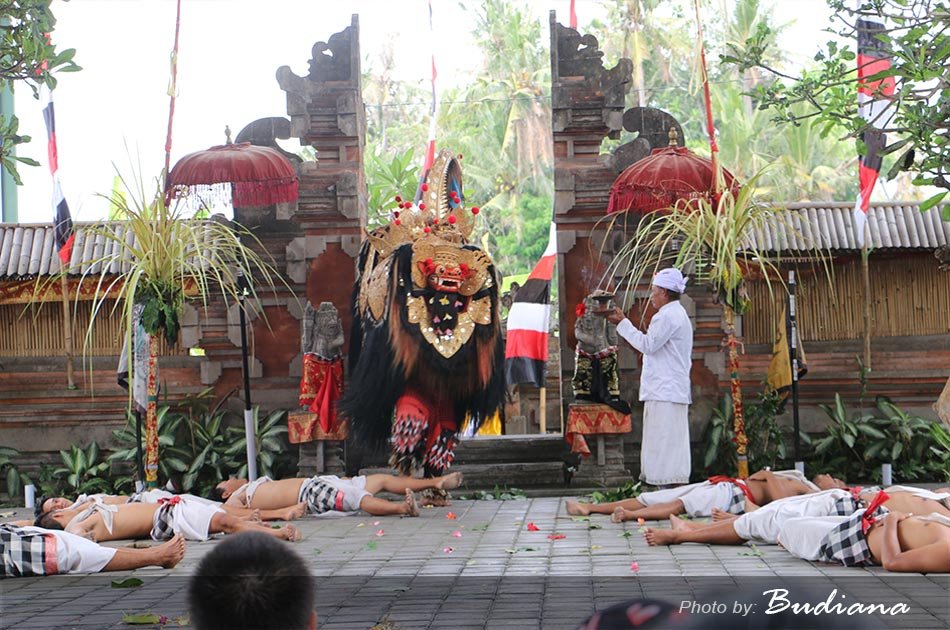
point(170, 553)
point(412, 507)
point(619, 515)
point(576, 508)
point(253, 517)
point(294, 512)
point(657, 537)
point(677, 524)
point(722, 515)
point(289, 533)
point(450, 481)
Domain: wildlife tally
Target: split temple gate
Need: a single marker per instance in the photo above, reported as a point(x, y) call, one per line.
point(315, 241)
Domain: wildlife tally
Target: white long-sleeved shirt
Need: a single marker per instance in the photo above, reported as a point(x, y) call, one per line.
point(667, 347)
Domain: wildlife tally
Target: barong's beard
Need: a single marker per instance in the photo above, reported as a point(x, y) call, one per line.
point(444, 309)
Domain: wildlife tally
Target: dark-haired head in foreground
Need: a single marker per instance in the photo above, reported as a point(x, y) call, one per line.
point(251, 580)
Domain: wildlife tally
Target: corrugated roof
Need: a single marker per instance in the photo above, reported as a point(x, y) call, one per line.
point(29, 250)
point(894, 225)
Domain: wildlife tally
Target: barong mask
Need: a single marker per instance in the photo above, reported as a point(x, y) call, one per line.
point(426, 312)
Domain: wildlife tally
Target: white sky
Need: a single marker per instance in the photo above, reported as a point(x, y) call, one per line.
point(116, 109)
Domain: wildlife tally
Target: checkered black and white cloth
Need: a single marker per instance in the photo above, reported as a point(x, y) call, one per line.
point(846, 506)
point(26, 552)
point(163, 523)
point(736, 501)
point(320, 496)
point(847, 543)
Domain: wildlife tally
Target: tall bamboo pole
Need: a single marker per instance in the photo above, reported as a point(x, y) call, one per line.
point(68, 331)
point(865, 270)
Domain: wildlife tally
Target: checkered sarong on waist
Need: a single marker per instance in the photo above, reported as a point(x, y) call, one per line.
point(26, 553)
point(163, 523)
point(846, 506)
point(847, 543)
point(736, 501)
point(320, 496)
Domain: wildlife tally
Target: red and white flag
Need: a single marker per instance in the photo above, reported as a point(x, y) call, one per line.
point(526, 348)
point(62, 219)
point(874, 101)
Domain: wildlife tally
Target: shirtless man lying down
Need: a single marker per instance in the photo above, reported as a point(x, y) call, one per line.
point(159, 521)
point(154, 496)
point(31, 551)
point(325, 493)
point(734, 496)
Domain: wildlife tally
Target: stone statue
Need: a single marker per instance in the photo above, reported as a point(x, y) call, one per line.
point(322, 331)
point(321, 385)
point(596, 374)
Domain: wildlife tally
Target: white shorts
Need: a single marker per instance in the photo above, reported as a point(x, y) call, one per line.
point(190, 519)
point(763, 525)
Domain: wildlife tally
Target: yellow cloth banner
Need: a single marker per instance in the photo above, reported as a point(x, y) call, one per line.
point(780, 367)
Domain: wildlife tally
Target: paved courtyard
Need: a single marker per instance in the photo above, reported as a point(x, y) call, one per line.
point(485, 568)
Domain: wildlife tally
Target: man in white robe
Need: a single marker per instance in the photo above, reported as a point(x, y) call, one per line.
point(667, 347)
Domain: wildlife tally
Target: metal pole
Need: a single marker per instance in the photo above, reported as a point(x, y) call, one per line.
point(251, 439)
point(792, 332)
point(139, 457)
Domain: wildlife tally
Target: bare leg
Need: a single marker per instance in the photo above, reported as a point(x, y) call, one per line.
point(222, 522)
point(715, 534)
point(399, 485)
point(166, 555)
point(382, 507)
point(653, 513)
point(577, 508)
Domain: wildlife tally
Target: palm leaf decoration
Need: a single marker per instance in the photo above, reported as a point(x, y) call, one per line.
point(156, 259)
point(713, 241)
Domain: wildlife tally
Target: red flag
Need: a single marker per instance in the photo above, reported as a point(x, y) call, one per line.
point(573, 16)
point(62, 219)
point(526, 346)
point(874, 99)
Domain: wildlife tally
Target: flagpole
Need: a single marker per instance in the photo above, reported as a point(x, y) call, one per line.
point(68, 332)
point(543, 418)
point(792, 338)
point(866, 272)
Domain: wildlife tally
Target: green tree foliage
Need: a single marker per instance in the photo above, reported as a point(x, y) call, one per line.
point(26, 57)
point(919, 42)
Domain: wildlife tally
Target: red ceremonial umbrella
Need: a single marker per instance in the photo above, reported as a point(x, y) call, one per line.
point(258, 176)
point(666, 176)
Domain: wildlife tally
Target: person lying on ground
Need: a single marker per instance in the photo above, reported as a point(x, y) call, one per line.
point(325, 493)
point(31, 551)
point(760, 526)
point(48, 504)
point(898, 541)
point(731, 495)
point(159, 521)
point(906, 499)
point(251, 581)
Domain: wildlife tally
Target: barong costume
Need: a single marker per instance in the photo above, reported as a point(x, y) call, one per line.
point(426, 348)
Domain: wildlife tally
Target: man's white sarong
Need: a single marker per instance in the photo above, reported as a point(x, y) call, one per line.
point(764, 525)
point(664, 454)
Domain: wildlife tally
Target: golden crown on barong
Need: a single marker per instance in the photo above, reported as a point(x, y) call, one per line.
point(439, 213)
